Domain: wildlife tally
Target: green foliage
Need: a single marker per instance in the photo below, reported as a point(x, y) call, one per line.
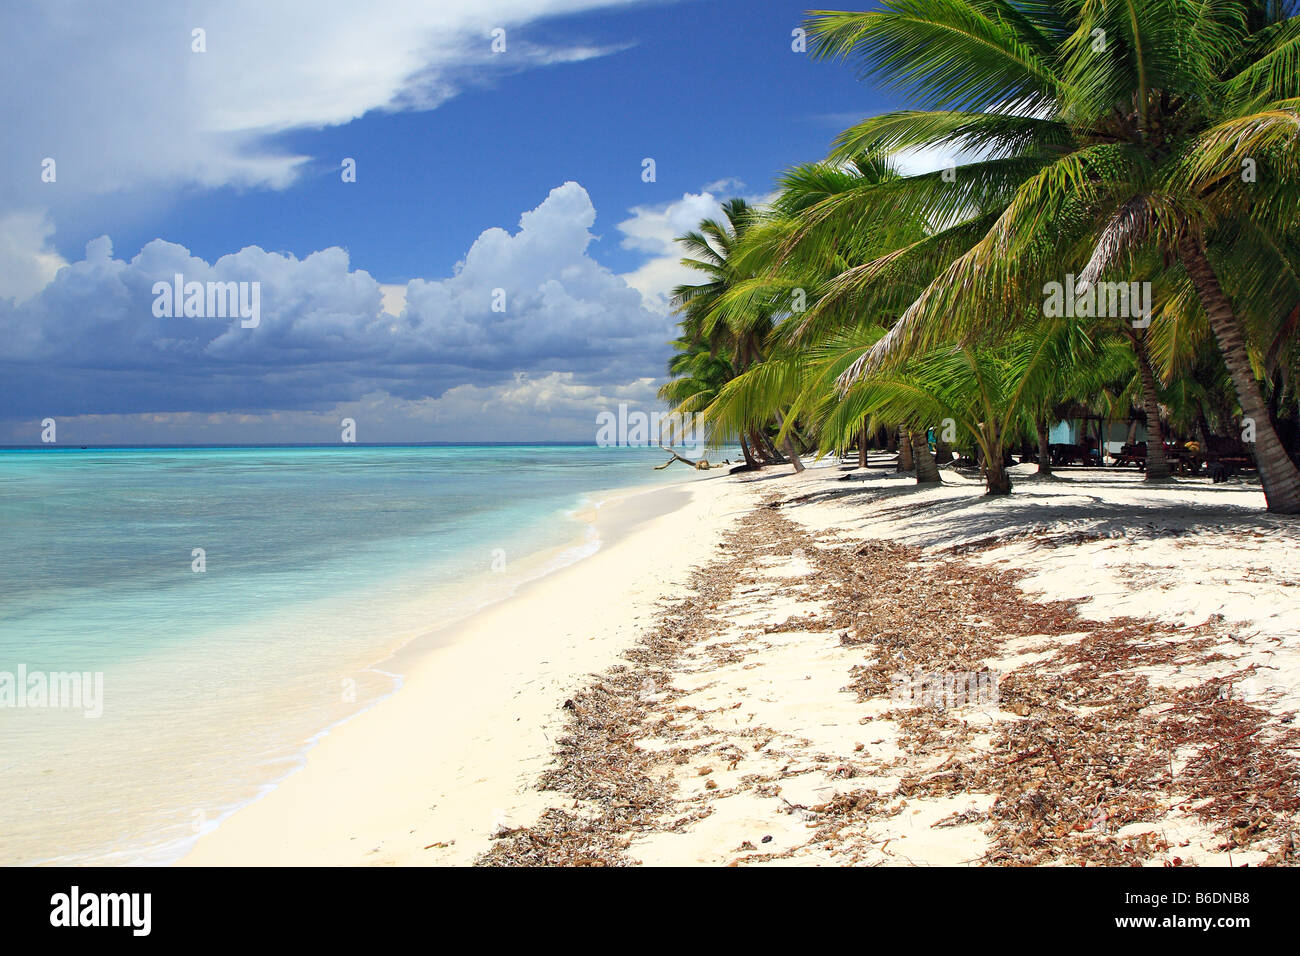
point(1089, 137)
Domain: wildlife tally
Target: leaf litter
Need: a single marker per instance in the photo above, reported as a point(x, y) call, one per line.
point(1085, 757)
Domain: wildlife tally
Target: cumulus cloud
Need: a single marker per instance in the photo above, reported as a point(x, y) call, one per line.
point(916, 160)
point(92, 104)
point(27, 260)
point(90, 340)
point(555, 299)
point(81, 336)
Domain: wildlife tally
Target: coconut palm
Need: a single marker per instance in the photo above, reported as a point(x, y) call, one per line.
point(1102, 134)
point(988, 393)
point(740, 333)
point(785, 271)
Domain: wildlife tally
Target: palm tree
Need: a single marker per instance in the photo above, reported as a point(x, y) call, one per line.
point(695, 376)
point(1107, 133)
point(740, 336)
point(786, 263)
point(988, 393)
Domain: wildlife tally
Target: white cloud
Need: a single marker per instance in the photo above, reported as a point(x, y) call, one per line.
point(394, 298)
point(556, 403)
point(916, 160)
point(728, 184)
point(89, 342)
point(556, 300)
point(653, 229)
point(551, 406)
point(81, 338)
point(93, 99)
point(657, 278)
point(27, 260)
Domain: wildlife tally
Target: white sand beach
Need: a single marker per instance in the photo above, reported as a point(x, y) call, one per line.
point(713, 687)
point(429, 773)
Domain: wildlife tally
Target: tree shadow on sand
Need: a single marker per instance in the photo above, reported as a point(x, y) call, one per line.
point(962, 517)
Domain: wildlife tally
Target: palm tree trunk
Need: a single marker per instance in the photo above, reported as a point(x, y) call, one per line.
point(790, 451)
point(1277, 473)
point(1203, 433)
point(927, 471)
point(904, 450)
point(793, 455)
point(862, 446)
point(1044, 447)
point(1157, 462)
point(996, 479)
point(749, 455)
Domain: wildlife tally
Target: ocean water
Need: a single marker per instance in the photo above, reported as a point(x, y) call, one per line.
point(316, 564)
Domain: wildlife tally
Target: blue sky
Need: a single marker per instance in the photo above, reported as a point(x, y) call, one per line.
point(476, 171)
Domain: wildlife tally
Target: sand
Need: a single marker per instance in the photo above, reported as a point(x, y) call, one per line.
point(721, 704)
point(430, 772)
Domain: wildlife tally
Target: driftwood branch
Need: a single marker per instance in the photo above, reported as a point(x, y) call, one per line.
point(701, 465)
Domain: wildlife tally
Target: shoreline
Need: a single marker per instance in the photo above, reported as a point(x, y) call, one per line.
point(297, 819)
point(379, 677)
point(715, 686)
point(1142, 707)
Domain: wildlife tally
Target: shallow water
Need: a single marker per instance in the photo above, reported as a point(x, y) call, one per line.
point(317, 564)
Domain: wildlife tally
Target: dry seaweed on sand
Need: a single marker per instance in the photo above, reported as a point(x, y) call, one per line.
point(616, 786)
point(1083, 760)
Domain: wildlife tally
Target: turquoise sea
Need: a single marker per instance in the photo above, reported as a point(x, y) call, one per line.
point(220, 667)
